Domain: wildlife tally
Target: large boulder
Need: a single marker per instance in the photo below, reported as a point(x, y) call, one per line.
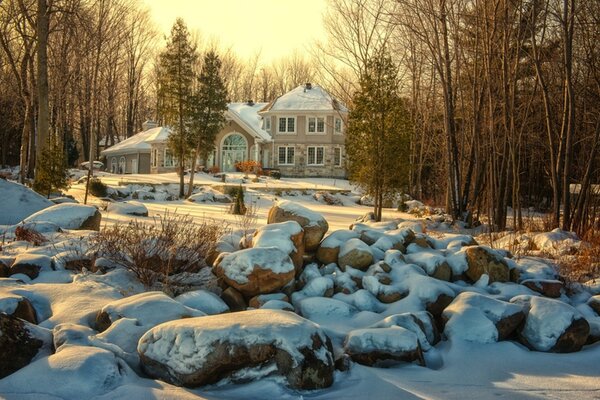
point(477, 318)
point(132, 207)
point(286, 236)
point(199, 351)
point(18, 306)
point(329, 248)
point(547, 287)
point(203, 300)
point(420, 323)
point(69, 216)
point(4, 270)
point(482, 260)
point(314, 225)
point(20, 341)
point(356, 254)
point(552, 325)
point(31, 264)
point(19, 202)
point(255, 271)
point(375, 346)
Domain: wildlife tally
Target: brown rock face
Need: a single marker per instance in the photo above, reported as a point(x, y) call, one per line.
point(297, 240)
point(482, 261)
point(380, 357)
point(25, 311)
point(260, 300)
point(4, 270)
point(16, 345)
point(356, 254)
point(30, 270)
point(443, 272)
point(313, 231)
point(102, 322)
point(594, 303)
point(233, 299)
point(548, 288)
point(507, 325)
point(258, 277)
point(92, 223)
point(328, 255)
point(573, 338)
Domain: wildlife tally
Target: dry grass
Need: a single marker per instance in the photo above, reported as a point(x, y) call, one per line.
point(585, 264)
point(154, 251)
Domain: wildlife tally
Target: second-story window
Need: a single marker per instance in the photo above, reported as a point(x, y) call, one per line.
point(267, 124)
point(337, 125)
point(316, 124)
point(287, 125)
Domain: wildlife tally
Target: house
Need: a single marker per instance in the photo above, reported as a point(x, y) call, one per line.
point(300, 133)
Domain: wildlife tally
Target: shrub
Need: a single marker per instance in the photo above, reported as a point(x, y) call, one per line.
point(30, 235)
point(238, 207)
point(172, 244)
point(214, 169)
point(248, 166)
point(98, 188)
point(275, 174)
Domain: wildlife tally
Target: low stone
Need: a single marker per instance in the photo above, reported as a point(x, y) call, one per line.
point(548, 288)
point(4, 270)
point(481, 261)
point(594, 303)
point(356, 254)
point(380, 346)
point(234, 299)
point(31, 264)
point(17, 344)
point(314, 225)
point(260, 300)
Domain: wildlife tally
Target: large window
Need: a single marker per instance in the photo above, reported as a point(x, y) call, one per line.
point(154, 157)
point(337, 156)
point(315, 155)
point(286, 155)
point(287, 125)
point(316, 125)
point(113, 165)
point(122, 165)
point(337, 125)
point(170, 160)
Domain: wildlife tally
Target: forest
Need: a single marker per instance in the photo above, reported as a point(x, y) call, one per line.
point(502, 95)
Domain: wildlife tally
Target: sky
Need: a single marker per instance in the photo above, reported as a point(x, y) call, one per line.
point(274, 27)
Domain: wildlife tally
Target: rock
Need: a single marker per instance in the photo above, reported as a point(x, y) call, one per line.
point(18, 306)
point(278, 305)
point(286, 236)
point(437, 307)
point(432, 261)
point(19, 202)
point(4, 270)
point(376, 346)
point(356, 254)
point(31, 264)
point(203, 300)
point(200, 351)
point(234, 299)
point(255, 271)
point(384, 293)
point(323, 308)
point(314, 225)
point(18, 345)
point(551, 325)
point(134, 208)
point(477, 318)
point(260, 300)
point(484, 261)
point(69, 216)
point(548, 288)
point(594, 303)
point(421, 323)
point(329, 248)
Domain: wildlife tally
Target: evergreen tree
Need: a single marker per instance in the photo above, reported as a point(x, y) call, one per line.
point(377, 141)
point(176, 94)
point(210, 104)
point(51, 170)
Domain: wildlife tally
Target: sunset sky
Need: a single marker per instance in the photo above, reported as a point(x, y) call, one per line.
point(274, 27)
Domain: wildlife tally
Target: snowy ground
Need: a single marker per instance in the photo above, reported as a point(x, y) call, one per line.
point(455, 369)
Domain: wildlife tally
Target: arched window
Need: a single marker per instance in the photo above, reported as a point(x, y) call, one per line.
point(233, 149)
point(113, 165)
point(122, 165)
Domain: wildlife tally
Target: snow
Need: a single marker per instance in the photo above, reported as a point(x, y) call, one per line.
point(66, 216)
point(277, 235)
point(557, 242)
point(302, 99)
point(295, 208)
point(354, 245)
point(420, 323)
point(240, 265)
point(390, 340)
point(18, 202)
point(338, 238)
point(248, 114)
point(203, 300)
point(138, 142)
point(184, 345)
point(128, 208)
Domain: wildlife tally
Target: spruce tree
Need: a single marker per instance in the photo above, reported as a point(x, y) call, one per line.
point(210, 104)
point(378, 134)
point(51, 169)
point(176, 94)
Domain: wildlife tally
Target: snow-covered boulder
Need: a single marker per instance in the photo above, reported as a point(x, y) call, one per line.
point(552, 325)
point(374, 346)
point(432, 261)
point(477, 318)
point(31, 264)
point(329, 248)
point(482, 260)
point(260, 300)
point(203, 300)
point(362, 300)
point(556, 242)
point(255, 271)
point(286, 236)
point(74, 373)
point(20, 342)
point(324, 309)
point(18, 202)
point(356, 254)
point(547, 287)
point(313, 223)
point(209, 195)
point(234, 299)
point(420, 322)
point(594, 303)
point(69, 216)
point(397, 239)
point(18, 306)
point(128, 208)
point(241, 346)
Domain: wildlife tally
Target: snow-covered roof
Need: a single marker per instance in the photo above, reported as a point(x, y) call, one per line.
point(246, 115)
point(306, 98)
point(139, 142)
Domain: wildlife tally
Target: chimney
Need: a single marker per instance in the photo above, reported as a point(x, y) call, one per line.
point(308, 85)
point(148, 124)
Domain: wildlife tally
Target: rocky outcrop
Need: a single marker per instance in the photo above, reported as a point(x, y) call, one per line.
point(356, 254)
point(485, 261)
point(314, 225)
point(375, 346)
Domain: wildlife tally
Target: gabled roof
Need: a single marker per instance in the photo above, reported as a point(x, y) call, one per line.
point(247, 116)
point(139, 142)
point(305, 98)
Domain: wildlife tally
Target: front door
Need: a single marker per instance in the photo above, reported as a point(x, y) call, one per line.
point(134, 166)
point(233, 150)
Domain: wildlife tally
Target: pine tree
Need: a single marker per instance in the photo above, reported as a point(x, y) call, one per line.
point(51, 170)
point(176, 94)
point(210, 104)
point(377, 141)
